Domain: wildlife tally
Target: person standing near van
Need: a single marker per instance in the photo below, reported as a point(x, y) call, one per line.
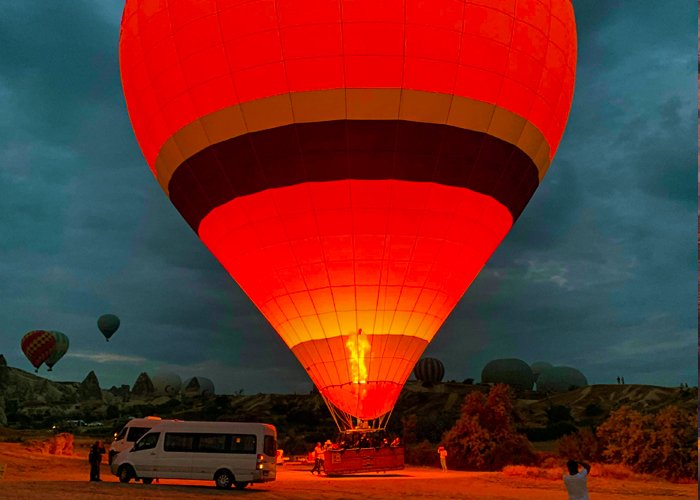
point(95, 459)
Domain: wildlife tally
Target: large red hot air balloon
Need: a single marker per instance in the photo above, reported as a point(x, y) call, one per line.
point(352, 163)
point(38, 346)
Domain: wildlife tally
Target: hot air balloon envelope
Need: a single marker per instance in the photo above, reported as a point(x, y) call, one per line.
point(59, 349)
point(108, 324)
point(352, 163)
point(560, 379)
point(37, 346)
point(167, 383)
point(198, 386)
point(429, 370)
point(511, 371)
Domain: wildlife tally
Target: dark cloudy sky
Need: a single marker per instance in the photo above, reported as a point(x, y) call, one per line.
point(599, 273)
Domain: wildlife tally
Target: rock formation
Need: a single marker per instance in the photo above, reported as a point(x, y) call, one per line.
point(143, 386)
point(90, 387)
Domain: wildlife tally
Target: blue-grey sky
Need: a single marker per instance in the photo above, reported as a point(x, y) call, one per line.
point(599, 273)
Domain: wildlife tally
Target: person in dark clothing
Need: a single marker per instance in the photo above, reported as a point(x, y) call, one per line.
point(95, 459)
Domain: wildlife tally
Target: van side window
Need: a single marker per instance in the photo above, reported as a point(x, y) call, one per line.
point(212, 443)
point(178, 442)
point(243, 443)
point(149, 441)
point(270, 446)
point(135, 433)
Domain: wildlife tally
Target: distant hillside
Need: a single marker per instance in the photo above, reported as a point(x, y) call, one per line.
point(31, 401)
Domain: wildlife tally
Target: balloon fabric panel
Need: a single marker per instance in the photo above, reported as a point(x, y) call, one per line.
point(214, 62)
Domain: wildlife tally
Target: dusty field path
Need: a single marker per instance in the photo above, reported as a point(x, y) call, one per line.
point(46, 477)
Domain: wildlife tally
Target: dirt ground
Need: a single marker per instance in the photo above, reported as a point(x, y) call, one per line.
point(35, 475)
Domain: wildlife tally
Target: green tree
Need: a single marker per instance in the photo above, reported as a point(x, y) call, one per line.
point(625, 437)
point(484, 437)
point(581, 445)
point(676, 451)
point(663, 444)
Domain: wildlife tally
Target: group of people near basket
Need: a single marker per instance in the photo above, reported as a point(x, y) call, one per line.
point(349, 442)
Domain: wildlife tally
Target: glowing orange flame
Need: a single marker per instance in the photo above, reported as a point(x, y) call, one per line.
point(358, 345)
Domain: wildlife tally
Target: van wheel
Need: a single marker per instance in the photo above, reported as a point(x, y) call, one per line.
point(223, 479)
point(240, 484)
point(125, 473)
point(146, 480)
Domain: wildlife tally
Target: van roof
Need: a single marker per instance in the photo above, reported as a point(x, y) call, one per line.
point(150, 421)
point(202, 426)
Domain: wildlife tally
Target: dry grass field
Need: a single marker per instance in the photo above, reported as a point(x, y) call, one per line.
point(30, 475)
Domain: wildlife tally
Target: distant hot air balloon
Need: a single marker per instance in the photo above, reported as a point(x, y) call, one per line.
point(37, 346)
point(108, 324)
point(166, 383)
point(198, 386)
point(352, 163)
point(59, 349)
point(538, 367)
point(560, 379)
point(514, 372)
point(429, 370)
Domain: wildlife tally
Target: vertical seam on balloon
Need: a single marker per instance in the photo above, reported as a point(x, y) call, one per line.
point(527, 115)
point(199, 119)
point(347, 168)
point(406, 273)
point(153, 87)
point(235, 89)
point(430, 335)
point(382, 266)
point(202, 191)
point(303, 163)
point(394, 167)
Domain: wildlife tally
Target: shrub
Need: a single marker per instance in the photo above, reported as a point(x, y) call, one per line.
point(593, 410)
point(581, 445)
point(552, 474)
point(423, 453)
point(676, 452)
point(663, 445)
point(484, 436)
point(625, 437)
point(408, 425)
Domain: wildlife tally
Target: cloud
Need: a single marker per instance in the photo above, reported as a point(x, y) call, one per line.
point(106, 357)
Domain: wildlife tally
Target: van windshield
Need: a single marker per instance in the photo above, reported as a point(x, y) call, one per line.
point(148, 442)
point(135, 433)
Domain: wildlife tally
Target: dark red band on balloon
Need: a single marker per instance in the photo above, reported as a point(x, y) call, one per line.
point(353, 149)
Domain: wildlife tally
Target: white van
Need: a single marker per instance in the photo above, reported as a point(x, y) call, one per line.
point(230, 453)
point(132, 432)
